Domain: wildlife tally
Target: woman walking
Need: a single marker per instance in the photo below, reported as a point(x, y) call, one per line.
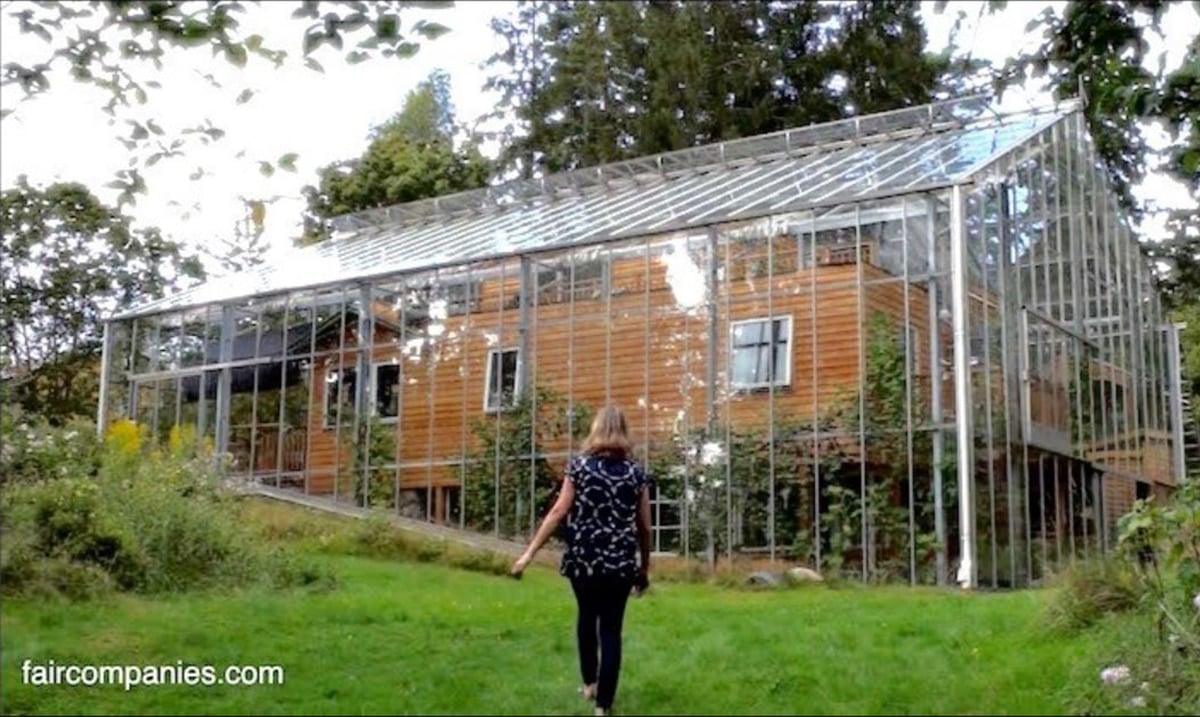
point(606, 501)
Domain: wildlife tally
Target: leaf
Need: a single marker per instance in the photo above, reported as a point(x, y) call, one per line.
point(5, 113)
point(288, 161)
point(388, 27)
point(154, 127)
point(254, 43)
point(237, 55)
point(407, 49)
point(197, 174)
point(356, 57)
point(312, 40)
point(245, 96)
point(139, 132)
point(312, 64)
point(266, 169)
point(431, 30)
point(258, 213)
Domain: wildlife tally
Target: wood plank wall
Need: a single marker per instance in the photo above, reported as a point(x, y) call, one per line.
point(636, 348)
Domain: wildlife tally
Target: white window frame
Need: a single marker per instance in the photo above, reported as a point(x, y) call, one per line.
point(487, 386)
point(374, 390)
point(783, 381)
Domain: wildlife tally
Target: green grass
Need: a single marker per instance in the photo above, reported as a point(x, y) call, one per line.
point(422, 638)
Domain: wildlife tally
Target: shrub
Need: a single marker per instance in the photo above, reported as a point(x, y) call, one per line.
point(1153, 662)
point(144, 520)
point(33, 450)
point(1088, 591)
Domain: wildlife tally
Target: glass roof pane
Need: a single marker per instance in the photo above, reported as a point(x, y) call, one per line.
point(792, 171)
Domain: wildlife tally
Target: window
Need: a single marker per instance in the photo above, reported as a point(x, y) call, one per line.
point(502, 379)
point(339, 392)
point(386, 390)
point(762, 354)
point(556, 284)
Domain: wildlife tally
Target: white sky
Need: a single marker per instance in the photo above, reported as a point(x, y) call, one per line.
point(64, 136)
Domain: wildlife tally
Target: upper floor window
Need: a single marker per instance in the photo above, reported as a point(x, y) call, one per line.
point(761, 353)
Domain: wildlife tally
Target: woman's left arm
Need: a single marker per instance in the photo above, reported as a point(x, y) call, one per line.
point(557, 512)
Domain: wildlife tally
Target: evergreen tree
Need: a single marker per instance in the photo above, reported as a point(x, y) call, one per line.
point(591, 81)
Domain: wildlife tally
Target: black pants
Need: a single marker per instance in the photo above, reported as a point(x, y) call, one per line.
point(601, 603)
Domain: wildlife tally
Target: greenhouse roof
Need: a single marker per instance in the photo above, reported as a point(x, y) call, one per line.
point(909, 150)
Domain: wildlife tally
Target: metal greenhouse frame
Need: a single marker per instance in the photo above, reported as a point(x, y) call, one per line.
point(921, 346)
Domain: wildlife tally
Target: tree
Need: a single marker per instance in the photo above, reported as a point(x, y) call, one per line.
point(592, 82)
point(411, 156)
point(1100, 47)
point(69, 260)
point(109, 45)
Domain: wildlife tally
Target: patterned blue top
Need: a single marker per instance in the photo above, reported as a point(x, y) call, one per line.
point(602, 520)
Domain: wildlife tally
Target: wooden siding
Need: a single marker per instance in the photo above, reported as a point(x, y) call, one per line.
point(635, 346)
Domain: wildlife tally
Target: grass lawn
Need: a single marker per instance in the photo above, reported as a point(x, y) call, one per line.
point(422, 638)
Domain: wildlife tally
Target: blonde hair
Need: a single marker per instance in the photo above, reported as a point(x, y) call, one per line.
point(609, 435)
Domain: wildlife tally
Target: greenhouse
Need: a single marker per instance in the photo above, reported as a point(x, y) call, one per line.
point(920, 346)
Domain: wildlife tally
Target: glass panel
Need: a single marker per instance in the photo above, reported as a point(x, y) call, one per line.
point(745, 362)
point(387, 383)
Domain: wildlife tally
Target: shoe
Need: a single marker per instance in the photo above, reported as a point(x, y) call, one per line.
point(588, 692)
point(601, 712)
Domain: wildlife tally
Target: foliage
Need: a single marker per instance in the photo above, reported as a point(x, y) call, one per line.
point(145, 519)
point(412, 156)
point(1178, 279)
point(1085, 593)
point(729, 497)
point(371, 465)
point(592, 82)
point(1164, 540)
point(111, 45)
point(69, 259)
point(246, 249)
point(1100, 47)
point(508, 475)
point(1154, 666)
point(1129, 675)
point(377, 537)
point(32, 451)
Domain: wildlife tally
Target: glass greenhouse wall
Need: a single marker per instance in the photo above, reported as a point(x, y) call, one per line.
point(919, 346)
